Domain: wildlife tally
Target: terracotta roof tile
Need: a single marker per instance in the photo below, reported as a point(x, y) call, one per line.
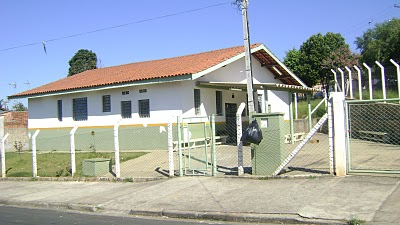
point(169, 67)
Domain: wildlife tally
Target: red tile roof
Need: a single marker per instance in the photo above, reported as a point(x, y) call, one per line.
point(139, 71)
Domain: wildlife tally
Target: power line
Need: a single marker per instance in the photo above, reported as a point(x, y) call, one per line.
point(114, 27)
point(368, 21)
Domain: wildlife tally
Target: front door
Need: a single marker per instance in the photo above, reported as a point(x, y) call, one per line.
point(230, 122)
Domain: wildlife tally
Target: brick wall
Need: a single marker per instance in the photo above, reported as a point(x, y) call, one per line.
point(16, 125)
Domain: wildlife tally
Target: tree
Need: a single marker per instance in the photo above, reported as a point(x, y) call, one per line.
point(340, 58)
point(19, 107)
point(380, 43)
point(310, 61)
point(82, 60)
point(3, 105)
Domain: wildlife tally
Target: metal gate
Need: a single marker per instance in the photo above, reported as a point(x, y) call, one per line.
point(196, 146)
point(373, 140)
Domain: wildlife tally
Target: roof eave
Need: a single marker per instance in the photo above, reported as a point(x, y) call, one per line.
point(281, 64)
point(241, 55)
point(106, 87)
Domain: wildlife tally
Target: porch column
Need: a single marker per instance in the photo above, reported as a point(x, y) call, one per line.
point(296, 116)
point(309, 112)
point(291, 118)
point(266, 101)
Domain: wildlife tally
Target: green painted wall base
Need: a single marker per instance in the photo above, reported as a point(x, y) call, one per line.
point(95, 167)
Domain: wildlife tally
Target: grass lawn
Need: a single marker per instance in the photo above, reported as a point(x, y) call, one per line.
point(56, 164)
point(302, 108)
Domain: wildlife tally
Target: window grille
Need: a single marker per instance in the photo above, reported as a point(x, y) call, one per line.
point(218, 102)
point(197, 102)
point(59, 110)
point(144, 108)
point(79, 108)
point(106, 103)
point(126, 109)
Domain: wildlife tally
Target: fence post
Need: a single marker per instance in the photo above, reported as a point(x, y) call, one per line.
point(34, 159)
point(369, 81)
point(350, 81)
point(72, 142)
point(213, 147)
point(171, 150)
point(398, 74)
point(339, 127)
point(383, 79)
point(180, 146)
point(238, 137)
point(342, 73)
point(335, 79)
point(359, 81)
point(3, 157)
point(116, 150)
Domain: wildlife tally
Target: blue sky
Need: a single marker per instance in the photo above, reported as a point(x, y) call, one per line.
point(280, 25)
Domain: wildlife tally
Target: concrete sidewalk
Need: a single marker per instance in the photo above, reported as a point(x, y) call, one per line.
point(325, 200)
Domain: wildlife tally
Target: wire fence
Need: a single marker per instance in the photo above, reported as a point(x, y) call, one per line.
point(374, 137)
point(275, 148)
point(133, 151)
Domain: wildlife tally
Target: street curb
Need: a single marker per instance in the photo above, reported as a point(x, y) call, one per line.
point(45, 205)
point(85, 179)
point(233, 216)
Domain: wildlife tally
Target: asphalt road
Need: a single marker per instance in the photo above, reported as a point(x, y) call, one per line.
point(14, 215)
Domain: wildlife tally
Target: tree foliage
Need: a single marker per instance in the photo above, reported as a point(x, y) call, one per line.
point(340, 58)
point(317, 56)
point(380, 43)
point(82, 60)
point(18, 106)
point(3, 105)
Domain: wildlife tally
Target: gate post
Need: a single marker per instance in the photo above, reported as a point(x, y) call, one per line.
point(180, 145)
point(3, 157)
point(170, 150)
point(34, 159)
point(72, 143)
point(213, 147)
point(116, 150)
point(340, 159)
point(238, 137)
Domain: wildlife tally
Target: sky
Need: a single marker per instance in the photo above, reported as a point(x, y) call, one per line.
point(127, 31)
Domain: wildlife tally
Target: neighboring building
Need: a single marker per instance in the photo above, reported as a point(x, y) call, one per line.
point(150, 93)
point(16, 125)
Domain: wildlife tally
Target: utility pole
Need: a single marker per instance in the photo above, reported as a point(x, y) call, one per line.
point(249, 73)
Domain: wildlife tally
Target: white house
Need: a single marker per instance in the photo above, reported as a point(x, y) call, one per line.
point(149, 93)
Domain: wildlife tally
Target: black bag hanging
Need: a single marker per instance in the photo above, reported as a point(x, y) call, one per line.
point(252, 134)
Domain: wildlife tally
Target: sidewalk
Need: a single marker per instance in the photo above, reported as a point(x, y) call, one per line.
point(326, 200)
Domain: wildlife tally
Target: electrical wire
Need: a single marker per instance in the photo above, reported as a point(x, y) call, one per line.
point(115, 27)
point(367, 22)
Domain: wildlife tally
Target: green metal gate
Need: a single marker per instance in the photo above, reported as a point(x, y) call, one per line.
point(196, 146)
point(373, 139)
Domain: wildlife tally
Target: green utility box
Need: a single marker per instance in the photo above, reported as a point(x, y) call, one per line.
point(269, 154)
point(96, 166)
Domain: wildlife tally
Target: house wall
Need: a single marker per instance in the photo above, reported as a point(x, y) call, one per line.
point(235, 72)
point(167, 100)
point(164, 101)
